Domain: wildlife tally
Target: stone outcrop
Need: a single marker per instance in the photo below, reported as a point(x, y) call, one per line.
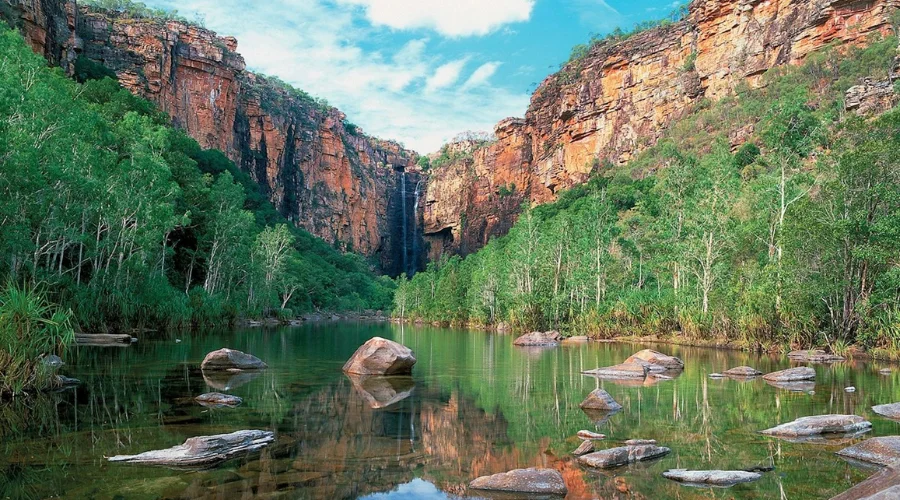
point(380, 356)
point(536, 481)
point(320, 171)
point(599, 399)
point(231, 360)
point(203, 451)
point(619, 99)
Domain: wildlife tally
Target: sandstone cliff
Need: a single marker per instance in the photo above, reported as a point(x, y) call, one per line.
point(323, 174)
point(616, 101)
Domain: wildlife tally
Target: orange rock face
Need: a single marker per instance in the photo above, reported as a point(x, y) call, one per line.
point(619, 99)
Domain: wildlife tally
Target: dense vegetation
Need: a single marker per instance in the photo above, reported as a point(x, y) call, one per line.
point(791, 238)
point(139, 9)
point(128, 222)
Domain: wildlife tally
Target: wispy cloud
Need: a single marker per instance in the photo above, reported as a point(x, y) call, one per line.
point(410, 93)
point(448, 17)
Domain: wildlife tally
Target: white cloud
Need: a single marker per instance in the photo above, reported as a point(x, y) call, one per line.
point(448, 17)
point(481, 75)
point(445, 75)
point(408, 93)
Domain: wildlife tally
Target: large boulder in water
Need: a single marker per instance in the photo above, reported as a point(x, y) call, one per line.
point(891, 410)
point(232, 360)
point(883, 450)
point(599, 399)
point(535, 481)
point(656, 358)
point(380, 356)
point(634, 451)
point(820, 424)
point(203, 451)
point(550, 338)
point(792, 375)
point(742, 371)
point(721, 478)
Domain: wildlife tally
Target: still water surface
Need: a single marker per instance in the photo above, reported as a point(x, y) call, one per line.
point(476, 405)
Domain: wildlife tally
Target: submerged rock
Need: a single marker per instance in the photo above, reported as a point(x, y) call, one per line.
point(599, 399)
point(218, 400)
point(891, 410)
point(814, 356)
point(624, 370)
point(538, 481)
point(742, 371)
point(203, 451)
point(380, 356)
point(583, 434)
point(883, 450)
point(586, 447)
point(63, 382)
point(599, 417)
point(379, 391)
point(792, 375)
point(656, 358)
point(885, 371)
point(550, 338)
point(883, 485)
point(806, 386)
point(820, 424)
point(231, 360)
point(716, 375)
point(711, 477)
point(228, 380)
point(623, 455)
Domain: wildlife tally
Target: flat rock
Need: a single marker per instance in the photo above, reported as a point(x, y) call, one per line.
point(583, 434)
point(218, 400)
point(586, 447)
point(814, 356)
point(380, 356)
point(539, 481)
point(639, 442)
point(624, 370)
point(883, 485)
point(232, 360)
point(711, 477)
point(578, 339)
point(550, 338)
point(742, 371)
point(820, 424)
point(379, 391)
point(203, 451)
point(599, 399)
point(883, 450)
point(716, 375)
point(656, 358)
point(891, 410)
point(792, 375)
point(623, 455)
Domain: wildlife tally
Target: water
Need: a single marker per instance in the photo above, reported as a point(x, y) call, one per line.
point(477, 406)
point(405, 222)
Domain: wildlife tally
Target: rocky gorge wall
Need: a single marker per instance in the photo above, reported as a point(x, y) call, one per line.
point(617, 101)
point(323, 174)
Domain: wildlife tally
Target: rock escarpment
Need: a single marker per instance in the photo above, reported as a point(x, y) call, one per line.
point(320, 171)
point(618, 100)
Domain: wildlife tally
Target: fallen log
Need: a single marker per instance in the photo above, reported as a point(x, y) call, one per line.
point(203, 451)
point(103, 339)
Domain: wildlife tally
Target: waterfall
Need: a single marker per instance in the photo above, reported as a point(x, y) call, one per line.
point(415, 236)
point(404, 217)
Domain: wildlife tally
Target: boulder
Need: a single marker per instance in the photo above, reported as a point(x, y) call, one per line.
point(883, 450)
point(814, 356)
point(52, 362)
point(586, 447)
point(742, 371)
point(583, 434)
point(599, 399)
point(711, 477)
point(792, 375)
point(622, 455)
point(380, 356)
point(534, 480)
point(624, 370)
point(550, 338)
point(231, 360)
point(379, 391)
point(578, 339)
point(218, 400)
point(203, 451)
point(656, 358)
point(891, 410)
point(820, 424)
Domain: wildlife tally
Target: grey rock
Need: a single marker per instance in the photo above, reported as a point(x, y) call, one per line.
point(883, 450)
point(587, 446)
point(52, 361)
point(218, 400)
point(792, 375)
point(891, 410)
point(590, 435)
point(203, 451)
point(599, 399)
point(742, 371)
point(624, 370)
point(623, 455)
point(820, 424)
point(231, 360)
point(550, 338)
point(656, 358)
point(850, 389)
point(711, 477)
point(814, 356)
point(534, 480)
point(380, 356)
point(716, 375)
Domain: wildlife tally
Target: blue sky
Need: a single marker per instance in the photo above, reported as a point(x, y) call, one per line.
point(418, 71)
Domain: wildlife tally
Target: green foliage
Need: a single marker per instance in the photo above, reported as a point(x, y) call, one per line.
point(86, 69)
point(690, 63)
point(129, 222)
point(790, 240)
point(424, 163)
point(137, 9)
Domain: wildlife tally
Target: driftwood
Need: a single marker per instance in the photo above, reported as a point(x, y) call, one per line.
point(203, 451)
point(102, 339)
